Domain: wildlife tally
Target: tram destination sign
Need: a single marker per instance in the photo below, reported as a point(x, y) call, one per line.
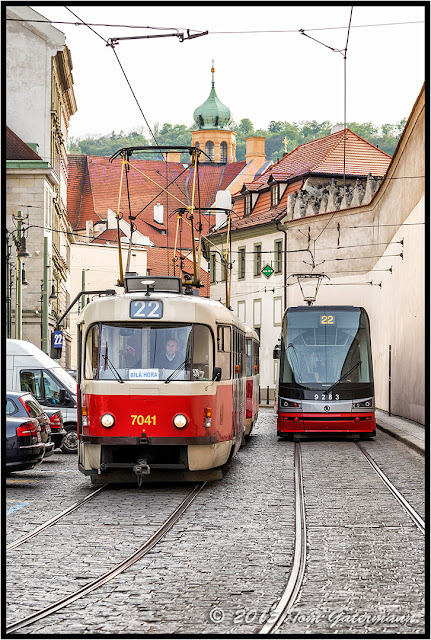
point(146, 309)
point(267, 271)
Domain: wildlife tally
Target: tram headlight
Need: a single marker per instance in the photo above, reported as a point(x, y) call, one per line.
point(180, 421)
point(365, 404)
point(107, 420)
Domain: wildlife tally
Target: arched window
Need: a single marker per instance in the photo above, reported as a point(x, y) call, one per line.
point(223, 152)
point(209, 149)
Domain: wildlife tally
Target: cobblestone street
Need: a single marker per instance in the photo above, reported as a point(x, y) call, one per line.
point(225, 564)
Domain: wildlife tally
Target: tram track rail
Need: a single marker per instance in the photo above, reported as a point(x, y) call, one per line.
point(287, 600)
point(54, 519)
point(416, 518)
point(117, 569)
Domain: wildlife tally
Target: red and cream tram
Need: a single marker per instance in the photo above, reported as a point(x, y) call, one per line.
point(326, 373)
point(252, 379)
point(162, 384)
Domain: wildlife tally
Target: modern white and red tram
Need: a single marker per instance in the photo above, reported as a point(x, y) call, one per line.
point(162, 384)
point(326, 372)
point(252, 379)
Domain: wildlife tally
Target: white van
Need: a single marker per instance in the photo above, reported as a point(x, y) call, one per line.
point(30, 369)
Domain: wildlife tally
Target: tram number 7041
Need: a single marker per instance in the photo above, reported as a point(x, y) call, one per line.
point(141, 420)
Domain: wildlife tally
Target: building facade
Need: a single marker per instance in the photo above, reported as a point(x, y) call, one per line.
point(39, 104)
point(305, 216)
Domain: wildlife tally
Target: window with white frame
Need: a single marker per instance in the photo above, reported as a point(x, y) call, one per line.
point(274, 195)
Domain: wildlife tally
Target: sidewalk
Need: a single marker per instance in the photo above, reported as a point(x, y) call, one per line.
point(410, 433)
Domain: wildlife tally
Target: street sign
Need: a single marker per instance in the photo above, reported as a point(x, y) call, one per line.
point(267, 271)
point(56, 344)
point(58, 339)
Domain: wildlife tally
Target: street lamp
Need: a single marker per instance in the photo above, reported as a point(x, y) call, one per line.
point(23, 278)
point(53, 295)
point(22, 249)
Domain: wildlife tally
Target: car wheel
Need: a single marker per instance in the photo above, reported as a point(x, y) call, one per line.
point(70, 442)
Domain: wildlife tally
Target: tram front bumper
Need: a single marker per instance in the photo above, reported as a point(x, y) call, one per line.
point(324, 423)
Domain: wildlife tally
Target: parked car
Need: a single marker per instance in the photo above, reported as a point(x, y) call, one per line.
point(24, 405)
point(58, 432)
point(24, 446)
point(30, 369)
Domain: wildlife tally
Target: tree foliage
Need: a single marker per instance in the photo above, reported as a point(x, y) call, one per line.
point(280, 136)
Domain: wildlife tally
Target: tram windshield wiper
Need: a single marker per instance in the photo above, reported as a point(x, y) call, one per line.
point(344, 376)
point(110, 365)
point(180, 366)
point(298, 372)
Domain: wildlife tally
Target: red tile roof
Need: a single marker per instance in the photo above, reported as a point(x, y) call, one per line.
point(325, 156)
point(160, 263)
point(109, 236)
point(94, 182)
point(16, 149)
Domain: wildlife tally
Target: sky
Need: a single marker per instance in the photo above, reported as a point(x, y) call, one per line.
point(275, 73)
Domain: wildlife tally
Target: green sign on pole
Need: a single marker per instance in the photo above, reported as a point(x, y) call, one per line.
point(267, 271)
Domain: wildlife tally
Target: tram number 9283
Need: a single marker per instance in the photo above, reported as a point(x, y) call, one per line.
point(336, 397)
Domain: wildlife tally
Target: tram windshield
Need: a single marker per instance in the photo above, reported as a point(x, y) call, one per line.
point(149, 352)
point(324, 348)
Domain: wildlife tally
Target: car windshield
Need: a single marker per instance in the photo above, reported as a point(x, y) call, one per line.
point(65, 378)
point(149, 352)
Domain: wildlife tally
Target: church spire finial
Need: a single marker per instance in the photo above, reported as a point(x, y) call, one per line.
point(212, 70)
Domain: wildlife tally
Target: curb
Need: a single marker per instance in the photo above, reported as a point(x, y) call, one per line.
point(405, 440)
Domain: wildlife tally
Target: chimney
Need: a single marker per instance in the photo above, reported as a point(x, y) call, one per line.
point(158, 213)
point(223, 200)
point(173, 156)
point(255, 148)
point(89, 230)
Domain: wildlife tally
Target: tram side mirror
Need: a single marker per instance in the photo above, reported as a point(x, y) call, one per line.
point(276, 352)
point(217, 374)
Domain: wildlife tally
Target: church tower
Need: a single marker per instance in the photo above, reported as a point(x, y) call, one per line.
point(213, 135)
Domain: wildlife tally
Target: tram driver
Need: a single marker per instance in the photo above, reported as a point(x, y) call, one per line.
point(171, 358)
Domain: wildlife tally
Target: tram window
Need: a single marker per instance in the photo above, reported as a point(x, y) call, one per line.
point(92, 352)
point(202, 353)
point(255, 357)
point(322, 354)
point(223, 351)
point(150, 352)
point(249, 358)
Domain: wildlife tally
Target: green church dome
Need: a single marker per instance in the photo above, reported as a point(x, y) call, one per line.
point(212, 114)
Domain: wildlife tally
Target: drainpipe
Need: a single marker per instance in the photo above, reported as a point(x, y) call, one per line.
point(45, 323)
point(285, 264)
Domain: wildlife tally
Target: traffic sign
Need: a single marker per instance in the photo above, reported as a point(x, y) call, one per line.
point(267, 271)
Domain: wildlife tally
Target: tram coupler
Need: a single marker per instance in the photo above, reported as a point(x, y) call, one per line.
point(142, 468)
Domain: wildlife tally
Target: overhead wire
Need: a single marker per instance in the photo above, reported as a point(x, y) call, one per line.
point(245, 31)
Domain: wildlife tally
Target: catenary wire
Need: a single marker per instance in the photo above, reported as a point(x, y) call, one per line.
point(135, 26)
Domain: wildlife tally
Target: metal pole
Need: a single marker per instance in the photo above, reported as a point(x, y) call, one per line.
point(41, 314)
point(390, 378)
point(18, 297)
point(8, 290)
point(45, 324)
point(83, 289)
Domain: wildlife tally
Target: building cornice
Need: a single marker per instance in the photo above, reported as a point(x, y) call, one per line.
point(32, 167)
